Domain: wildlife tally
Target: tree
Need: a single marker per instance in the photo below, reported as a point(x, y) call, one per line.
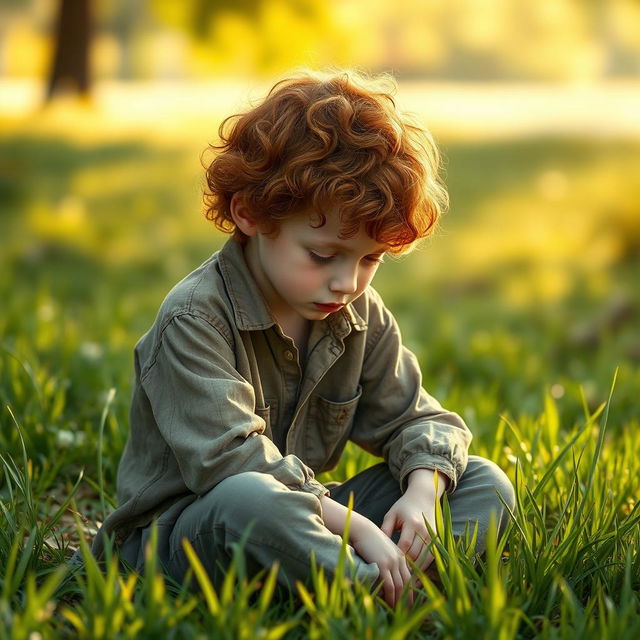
point(70, 70)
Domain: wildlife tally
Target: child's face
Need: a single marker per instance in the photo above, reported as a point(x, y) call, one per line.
point(311, 272)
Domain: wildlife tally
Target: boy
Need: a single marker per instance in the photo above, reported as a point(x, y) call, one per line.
point(268, 358)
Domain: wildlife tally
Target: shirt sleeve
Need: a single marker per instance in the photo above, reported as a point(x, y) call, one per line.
point(205, 411)
point(397, 419)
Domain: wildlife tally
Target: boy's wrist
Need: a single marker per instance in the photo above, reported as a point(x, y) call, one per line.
point(358, 527)
point(429, 480)
point(335, 516)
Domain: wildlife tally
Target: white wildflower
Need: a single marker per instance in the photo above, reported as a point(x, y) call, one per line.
point(91, 351)
point(65, 438)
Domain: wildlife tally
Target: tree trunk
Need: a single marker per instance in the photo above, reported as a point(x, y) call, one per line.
point(70, 68)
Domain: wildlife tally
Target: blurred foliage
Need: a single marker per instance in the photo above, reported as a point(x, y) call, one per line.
point(454, 39)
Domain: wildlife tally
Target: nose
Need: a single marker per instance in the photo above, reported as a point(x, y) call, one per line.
point(344, 280)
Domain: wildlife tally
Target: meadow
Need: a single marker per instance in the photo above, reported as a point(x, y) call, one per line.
point(523, 310)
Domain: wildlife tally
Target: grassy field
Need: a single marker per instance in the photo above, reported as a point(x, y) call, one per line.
point(521, 310)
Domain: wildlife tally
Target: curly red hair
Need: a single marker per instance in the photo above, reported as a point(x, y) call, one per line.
point(324, 141)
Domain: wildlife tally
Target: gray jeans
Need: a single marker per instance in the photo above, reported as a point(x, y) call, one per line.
point(278, 524)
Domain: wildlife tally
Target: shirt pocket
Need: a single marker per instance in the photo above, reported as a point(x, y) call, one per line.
point(329, 430)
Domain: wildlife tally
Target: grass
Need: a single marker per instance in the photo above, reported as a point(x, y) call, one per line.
point(522, 311)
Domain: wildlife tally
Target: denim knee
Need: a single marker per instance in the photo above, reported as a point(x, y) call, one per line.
point(258, 497)
point(244, 496)
point(498, 487)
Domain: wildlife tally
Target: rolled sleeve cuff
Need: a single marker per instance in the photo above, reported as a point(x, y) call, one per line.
point(429, 461)
point(315, 487)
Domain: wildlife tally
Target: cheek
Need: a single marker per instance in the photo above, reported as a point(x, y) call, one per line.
point(365, 277)
point(301, 279)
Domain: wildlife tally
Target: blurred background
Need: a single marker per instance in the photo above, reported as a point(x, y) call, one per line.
point(530, 289)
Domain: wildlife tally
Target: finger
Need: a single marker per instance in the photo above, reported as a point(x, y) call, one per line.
point(410, 594)
point(416, 550)
point(398, 583)
point(426, 560)
point(429, 570)
point(406, 572)
point(389, 523)
point(388, 588)
point(406, 538)
point(422, 540)
point(406, 577)
point(416, 582)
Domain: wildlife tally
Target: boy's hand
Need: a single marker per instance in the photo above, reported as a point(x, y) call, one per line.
point(408, 515)
point(373, 546)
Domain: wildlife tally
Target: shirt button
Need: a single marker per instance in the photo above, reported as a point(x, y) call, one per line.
point(288, 355)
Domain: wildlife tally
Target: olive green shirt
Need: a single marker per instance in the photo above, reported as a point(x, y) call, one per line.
point(219, 390)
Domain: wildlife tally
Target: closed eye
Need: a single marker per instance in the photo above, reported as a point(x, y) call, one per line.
point(320, 259)
point(376, 259)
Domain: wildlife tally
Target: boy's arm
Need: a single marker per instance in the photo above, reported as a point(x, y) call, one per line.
point(396, 417)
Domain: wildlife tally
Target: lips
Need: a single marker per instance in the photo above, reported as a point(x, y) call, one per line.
point(329, 307)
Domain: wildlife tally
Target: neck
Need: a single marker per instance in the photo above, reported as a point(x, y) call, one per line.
point(292, 324)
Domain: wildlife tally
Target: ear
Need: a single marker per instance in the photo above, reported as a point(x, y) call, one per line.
point(241, 216)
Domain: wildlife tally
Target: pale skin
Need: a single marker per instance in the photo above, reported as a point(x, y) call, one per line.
point(300, 270)
point(407, 515)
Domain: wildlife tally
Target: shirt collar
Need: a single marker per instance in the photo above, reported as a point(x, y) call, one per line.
point(249, 306)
